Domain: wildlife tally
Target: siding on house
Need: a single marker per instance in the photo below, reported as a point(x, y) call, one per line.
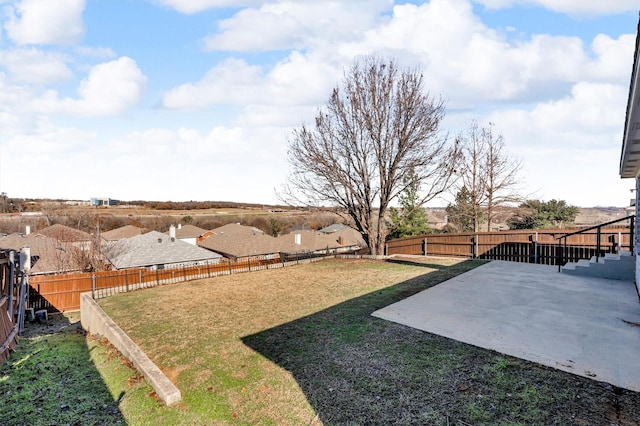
point(630, 155)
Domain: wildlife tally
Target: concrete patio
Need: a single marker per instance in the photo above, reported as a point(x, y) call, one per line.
point(585, 326)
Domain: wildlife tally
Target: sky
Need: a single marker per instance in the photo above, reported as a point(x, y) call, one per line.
point(197, 99)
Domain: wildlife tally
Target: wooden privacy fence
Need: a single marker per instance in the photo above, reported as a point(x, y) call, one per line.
point(62, 292)
point(527, 246)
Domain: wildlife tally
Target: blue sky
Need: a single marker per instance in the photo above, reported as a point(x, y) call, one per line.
point(195, 99)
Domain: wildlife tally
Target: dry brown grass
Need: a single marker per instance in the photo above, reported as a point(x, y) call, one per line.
point(298, 346)
point(194, 331)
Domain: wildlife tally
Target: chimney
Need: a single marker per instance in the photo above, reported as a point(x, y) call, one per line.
point(341, 241)
point(179, 226)
point(297, 238)
point(27, 230)
point(172, 231)
point(25, 259)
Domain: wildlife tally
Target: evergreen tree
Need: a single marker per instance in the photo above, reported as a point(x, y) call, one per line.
point(410, 219)
point(544, 214)
point(462, 215)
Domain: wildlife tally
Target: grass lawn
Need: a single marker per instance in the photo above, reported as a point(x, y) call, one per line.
point(59, 376)
point(298, 346)
point(293, 346)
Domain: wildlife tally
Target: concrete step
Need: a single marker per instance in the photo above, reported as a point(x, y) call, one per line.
point(611, 266)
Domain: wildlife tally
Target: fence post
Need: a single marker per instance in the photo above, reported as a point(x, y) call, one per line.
point(25, 267)
point(597, 244)
point(209, 269)
point(619, 249)
point(12, 277)
point(632, 231)
point(424, 247)
point(140, 276)
point(535, 251)
point(126, 281)
point(559, 255)
point(229, 263)
point(93, 286)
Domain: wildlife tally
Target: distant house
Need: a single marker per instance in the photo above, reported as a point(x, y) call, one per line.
point(235, 241)
point(190, 234)
point(96, 202)
point(65, 234)
point(344, 240)
point(48, 255)
point(126, 231)
point(157, 251)
point(333, 228)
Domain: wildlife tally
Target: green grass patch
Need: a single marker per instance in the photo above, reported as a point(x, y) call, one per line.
point(54, 378)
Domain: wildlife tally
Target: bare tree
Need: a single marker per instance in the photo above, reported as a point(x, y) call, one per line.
point(502, 179)
point(376, 126)
point(488, 174)
point(473, 147)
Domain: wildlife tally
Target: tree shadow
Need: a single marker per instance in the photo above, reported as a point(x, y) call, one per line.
point(357, 369)
point(51, 378)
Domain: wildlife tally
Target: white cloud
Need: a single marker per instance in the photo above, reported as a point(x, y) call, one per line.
point(97, 52)
point(231, 82)
point(195, 6)
point(110, 89)
point(56, 159)
point(571, 7)
point(613, 59)
point(469, 63)
point(566, 141)
point(296, 25)
point(15, 117)
point(35, 66)
point(45, 21)
point(585, 119)
point(198, 165)
point(298, 80)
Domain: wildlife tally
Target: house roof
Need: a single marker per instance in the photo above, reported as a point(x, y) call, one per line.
point(239, 241)
point(189, 231)
point(51, 255)
point(64, 233)
point(316, 240)
point(630, 156)
point(333, 228)
point(154, 248)
point(237, 229)
point(126, 231)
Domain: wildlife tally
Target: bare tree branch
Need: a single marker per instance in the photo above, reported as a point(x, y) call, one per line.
point(377, 125)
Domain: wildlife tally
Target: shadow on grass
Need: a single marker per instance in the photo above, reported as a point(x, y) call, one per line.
point(357, 369)
point(51, 379)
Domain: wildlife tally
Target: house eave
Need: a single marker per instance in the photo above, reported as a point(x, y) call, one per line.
point(630, 156)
